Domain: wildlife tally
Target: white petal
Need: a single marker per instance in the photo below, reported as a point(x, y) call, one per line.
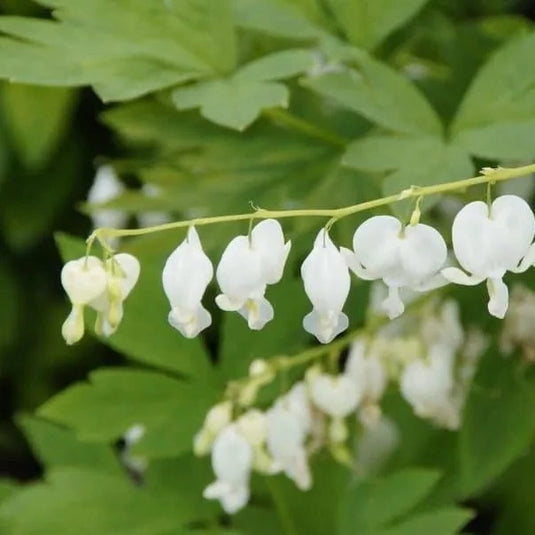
point(353, 264)
point(499, 297)
point(325, 327)
point(298, 403)
point(527, 261)
point(128, 274)
point(375, 244)
point(458, 276)
point(186, 274)
point(518, 226)
point(336, 396)
point(232, 497)
point(299, 471)
point(190, 324)
point(268, 239)
point(422, 253)
point(232, 456)
point(257, 312)
point(240, 273)
point(366, 370)
point(83, 279)
point(326, 276)
point(72, 329)
point(285, 435)
point(393, 305)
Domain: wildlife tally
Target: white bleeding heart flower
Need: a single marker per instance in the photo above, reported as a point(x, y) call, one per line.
point(428, 386)
point(247, 266)
point(106, 187)
point(83, 280)
point(327, 282)
point(403, 257)
point(218, 417)
point(122, 274)
point(232, 459)
point(488, 242)
point(338, 396)
point(366, 370)
point(186, 274)
point(286, 444)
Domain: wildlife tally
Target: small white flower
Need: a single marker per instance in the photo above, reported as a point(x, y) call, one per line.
point(106, 187)
point(218, 417)
point(327, 282)
point(83, 280)
point(403, 257)
point(122, 274)
point(247, 266)
point(286, 444)
point(490, 242)
point(428, 386)
point(337, 396)
point(136, 463)
point(367, 371)
point(186, 274)
point(232, 459)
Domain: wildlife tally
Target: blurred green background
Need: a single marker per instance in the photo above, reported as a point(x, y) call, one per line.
point(51, 142)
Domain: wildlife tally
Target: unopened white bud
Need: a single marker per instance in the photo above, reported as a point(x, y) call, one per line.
point(253, 426)
point(218, 417)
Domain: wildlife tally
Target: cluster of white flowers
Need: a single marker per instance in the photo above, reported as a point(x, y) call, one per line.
point(426, 354)
point(488, 241)
point(103, 286)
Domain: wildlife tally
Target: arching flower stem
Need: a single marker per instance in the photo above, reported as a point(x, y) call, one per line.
point(488, 176)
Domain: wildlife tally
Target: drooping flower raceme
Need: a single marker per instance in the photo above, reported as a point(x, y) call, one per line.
point(122, 273)
point(488, 242)
point(232, 460)
point(248, 265)
point(186, 274)
point(327, 282)
point(83, 280)
point(403, 257)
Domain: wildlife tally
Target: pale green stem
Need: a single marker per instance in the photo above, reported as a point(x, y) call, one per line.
point(488, 176)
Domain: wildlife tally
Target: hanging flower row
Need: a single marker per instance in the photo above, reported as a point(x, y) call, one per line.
point(488, 241)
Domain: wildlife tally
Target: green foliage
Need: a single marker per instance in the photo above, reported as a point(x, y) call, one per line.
point(497, 427)
point(278, 103)
point(170, 410)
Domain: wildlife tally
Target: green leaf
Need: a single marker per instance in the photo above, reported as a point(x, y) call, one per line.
point(29, 109)
point(90, 503)
point(240, 345)
point(275, 18)
point(56, 447)
point(233, 102)
point(276, 66)
point(380, 94)
point(9, 311)
point(170, 410)
point(367, 22)
point(401, 157)
point(438, 522)
point(497, 428)
point(144, 334)
point(371, 505)
point(496, 118)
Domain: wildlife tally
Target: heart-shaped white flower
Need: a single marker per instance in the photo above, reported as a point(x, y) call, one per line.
point(327, 284)
point(186, 274)
point(488, 242)
point(83, 279)
point(247, 266)
point(232, 458)
point(338, 396)
point(403, 257)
